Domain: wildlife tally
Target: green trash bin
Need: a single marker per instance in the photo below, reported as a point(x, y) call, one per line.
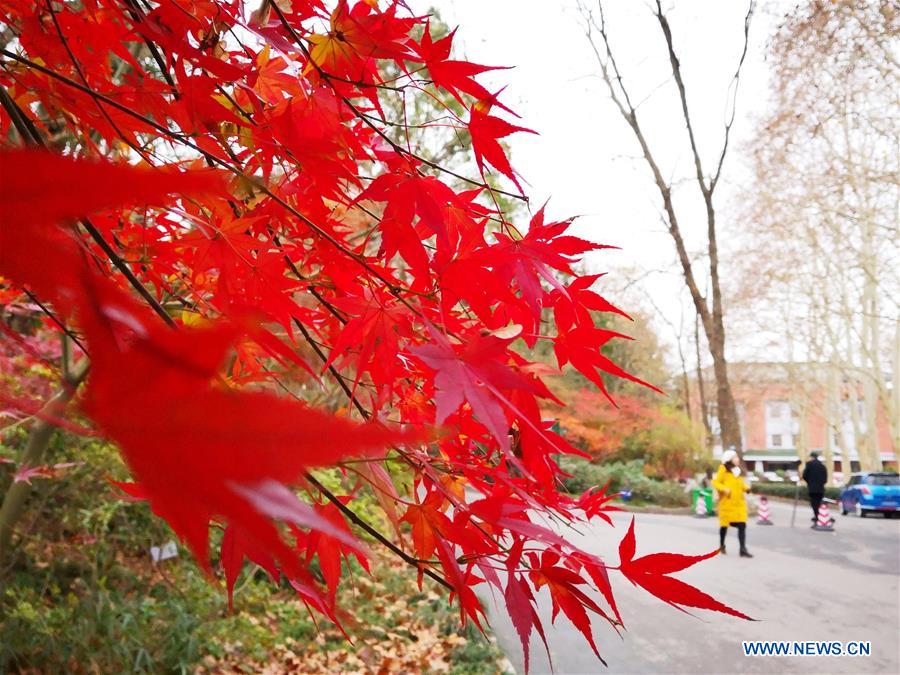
point(707, 497)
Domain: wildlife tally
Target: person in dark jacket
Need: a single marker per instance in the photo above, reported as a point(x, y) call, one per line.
point(815, 475)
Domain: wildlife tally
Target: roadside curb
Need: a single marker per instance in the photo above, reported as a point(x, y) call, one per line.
point(785, 500)
point(650, 508)
point(673, 510)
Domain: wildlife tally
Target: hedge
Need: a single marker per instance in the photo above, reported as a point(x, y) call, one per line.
point(789, 490)
point(586, 475)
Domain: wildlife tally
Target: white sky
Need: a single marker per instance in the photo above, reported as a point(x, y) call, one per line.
point(586, 158)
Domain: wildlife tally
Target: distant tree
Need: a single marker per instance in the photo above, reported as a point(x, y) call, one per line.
point(821, 260)
point(644, 424)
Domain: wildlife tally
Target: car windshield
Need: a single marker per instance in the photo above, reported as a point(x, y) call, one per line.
point(883, 480)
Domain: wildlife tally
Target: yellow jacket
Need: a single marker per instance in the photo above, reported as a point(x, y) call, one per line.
point(731, 489)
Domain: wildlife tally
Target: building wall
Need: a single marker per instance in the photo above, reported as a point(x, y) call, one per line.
point(757, 386)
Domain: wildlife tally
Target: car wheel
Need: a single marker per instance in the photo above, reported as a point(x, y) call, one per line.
point(863, 513)
point(844, 511)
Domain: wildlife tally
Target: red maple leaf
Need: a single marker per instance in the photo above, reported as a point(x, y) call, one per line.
point(531, 260)
point(332, 545)
point(579, 347)
point(452, 75)
point(428, 523)
point(651, 573)
point(238, 544)
point(417, 209)
point(573, 304)
point(471, 373)
point(486, 131)
point(564, 593)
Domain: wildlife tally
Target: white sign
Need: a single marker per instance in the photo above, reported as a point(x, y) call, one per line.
point(164, 552)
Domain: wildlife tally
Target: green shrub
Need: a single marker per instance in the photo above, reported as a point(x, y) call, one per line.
point(81, 595)
point(61, 618)
point(586, 475)
point(789, 490)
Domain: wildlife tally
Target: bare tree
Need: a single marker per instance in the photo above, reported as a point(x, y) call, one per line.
point(709, 310)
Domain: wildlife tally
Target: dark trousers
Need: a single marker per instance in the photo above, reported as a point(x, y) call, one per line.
point(815, 501)
point(742, 534)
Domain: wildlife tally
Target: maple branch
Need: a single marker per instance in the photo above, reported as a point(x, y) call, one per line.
point(32, 137)
point(331, 369)
point(434, 165)
point(20, 122)
point(136, 13)
point(55, 319)
point(321, 354)
point(365, 414)
point(354, 518)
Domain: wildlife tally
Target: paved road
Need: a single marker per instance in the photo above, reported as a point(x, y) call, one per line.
point(802, 585)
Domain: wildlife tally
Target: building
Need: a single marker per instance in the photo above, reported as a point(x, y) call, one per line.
point(788, 410)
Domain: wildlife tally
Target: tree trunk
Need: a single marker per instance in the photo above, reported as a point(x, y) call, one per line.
point(834, 432)
point(726, 408)
point(701, 390)
point(894, 405)
point(859, 438)
point(799, 404)
point(870, 414)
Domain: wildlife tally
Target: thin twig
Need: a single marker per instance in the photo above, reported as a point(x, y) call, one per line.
point(354, 518)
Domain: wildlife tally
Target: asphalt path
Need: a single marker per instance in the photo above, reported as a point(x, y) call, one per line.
point(801, 585)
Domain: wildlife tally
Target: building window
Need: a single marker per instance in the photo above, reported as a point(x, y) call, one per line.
point(780, 424)
point(795, 439)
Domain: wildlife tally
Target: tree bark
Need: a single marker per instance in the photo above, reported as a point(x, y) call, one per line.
point(726, 408)
point(834, 432)
point(701, 388)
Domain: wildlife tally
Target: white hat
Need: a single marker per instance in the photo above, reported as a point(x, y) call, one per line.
point(728, 455)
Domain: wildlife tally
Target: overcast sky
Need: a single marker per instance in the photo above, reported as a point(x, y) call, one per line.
point(585, 159)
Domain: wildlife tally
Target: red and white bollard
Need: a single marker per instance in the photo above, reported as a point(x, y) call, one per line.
point(824, 521)
point(763, 512)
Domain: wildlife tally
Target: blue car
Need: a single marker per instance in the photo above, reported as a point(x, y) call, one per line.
point(873, 491)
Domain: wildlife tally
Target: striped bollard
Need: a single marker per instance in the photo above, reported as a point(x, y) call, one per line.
point(824, 522)
point(763, 512)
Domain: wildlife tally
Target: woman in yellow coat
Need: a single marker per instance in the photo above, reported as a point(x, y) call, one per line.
point(732, 503)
